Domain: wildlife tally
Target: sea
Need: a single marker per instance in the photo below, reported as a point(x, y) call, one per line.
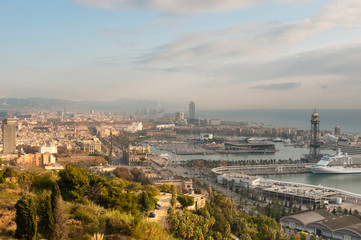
point(348, 119)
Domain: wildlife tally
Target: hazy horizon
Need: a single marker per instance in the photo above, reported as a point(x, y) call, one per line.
point(277, 54)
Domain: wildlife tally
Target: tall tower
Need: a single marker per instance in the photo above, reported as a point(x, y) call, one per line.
point(192, 110)
point(8, 128)
point(315, 152)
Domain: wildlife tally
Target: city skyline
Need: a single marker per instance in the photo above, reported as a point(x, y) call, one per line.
point(221, 54)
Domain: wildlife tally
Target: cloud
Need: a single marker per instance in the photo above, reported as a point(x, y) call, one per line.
point(241, 42)
point(345, 12)
point(278, 86)
point(254, 40)
point(179, 7)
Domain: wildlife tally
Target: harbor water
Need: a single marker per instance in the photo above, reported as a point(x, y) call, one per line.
point(283, 153)
point(347, 182)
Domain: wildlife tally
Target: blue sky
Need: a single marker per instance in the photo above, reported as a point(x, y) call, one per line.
point(233, 54)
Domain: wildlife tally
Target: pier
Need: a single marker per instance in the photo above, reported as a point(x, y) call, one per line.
point(264, 169)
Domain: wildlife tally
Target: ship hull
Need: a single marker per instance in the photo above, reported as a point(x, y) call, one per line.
point(333, 170)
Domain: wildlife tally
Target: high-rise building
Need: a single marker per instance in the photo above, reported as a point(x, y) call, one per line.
point(338, 130)
point(8, 128)
point(192, 110)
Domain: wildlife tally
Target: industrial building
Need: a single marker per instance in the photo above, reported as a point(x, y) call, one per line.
point(324, 224)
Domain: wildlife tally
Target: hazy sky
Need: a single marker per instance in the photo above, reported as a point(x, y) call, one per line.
point(238, 54)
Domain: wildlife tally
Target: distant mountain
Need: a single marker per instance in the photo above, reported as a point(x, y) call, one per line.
point(19, 104)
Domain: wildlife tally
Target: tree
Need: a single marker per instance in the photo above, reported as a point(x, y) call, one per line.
point(303, 236)
point(55, 196)
point(173, 200)
point(32, 224)
point(44, 180)
point(136, 173)
point(185, 200)
point(25, 218)
point(46, 217)
point(25, 180)
point(60, 229)
point(60, 223)
point(22, 217)
point(146, 203)
point(122, 172)
point(73, 182)
point(9, 172)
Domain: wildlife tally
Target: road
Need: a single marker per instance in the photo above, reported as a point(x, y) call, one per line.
point(162, 213)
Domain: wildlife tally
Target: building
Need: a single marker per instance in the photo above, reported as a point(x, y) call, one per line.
point(192, 110)
point(324, 224)
point(8, 129)
point(206, 136)
point(165, 126)
point(215, 122)
point(241, 180)
point(337, 130)
point(129, 127)
point(179, 116)
point(199, 201)
point(187, 184)
point(135, 127)
point(351, 148)
point(92, 146)
point(136, 155)
point(179, 119)
point(37, 159)
point(48, 149)
point(168, 133)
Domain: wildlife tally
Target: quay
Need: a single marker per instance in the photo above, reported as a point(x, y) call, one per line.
point(299, 192)
point(306, 192)
point(264, 169)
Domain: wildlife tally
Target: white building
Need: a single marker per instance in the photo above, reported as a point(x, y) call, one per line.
point(135, 127)
point(242, 180)
point(206, 136)
point(49, 149)
point(166, 126)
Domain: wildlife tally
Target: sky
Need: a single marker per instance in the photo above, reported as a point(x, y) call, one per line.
point(222, 54)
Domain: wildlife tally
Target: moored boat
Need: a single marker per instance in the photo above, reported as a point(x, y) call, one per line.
point(337, 164)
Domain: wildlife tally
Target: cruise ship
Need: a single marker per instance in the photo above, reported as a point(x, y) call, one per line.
point(337, 164)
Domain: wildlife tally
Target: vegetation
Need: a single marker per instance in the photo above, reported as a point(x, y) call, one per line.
point(218, 219)
point(185, 201)
point(116, 208)
point(93, 204)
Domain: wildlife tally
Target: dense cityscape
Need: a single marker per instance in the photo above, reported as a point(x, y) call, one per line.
point(90, 156)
